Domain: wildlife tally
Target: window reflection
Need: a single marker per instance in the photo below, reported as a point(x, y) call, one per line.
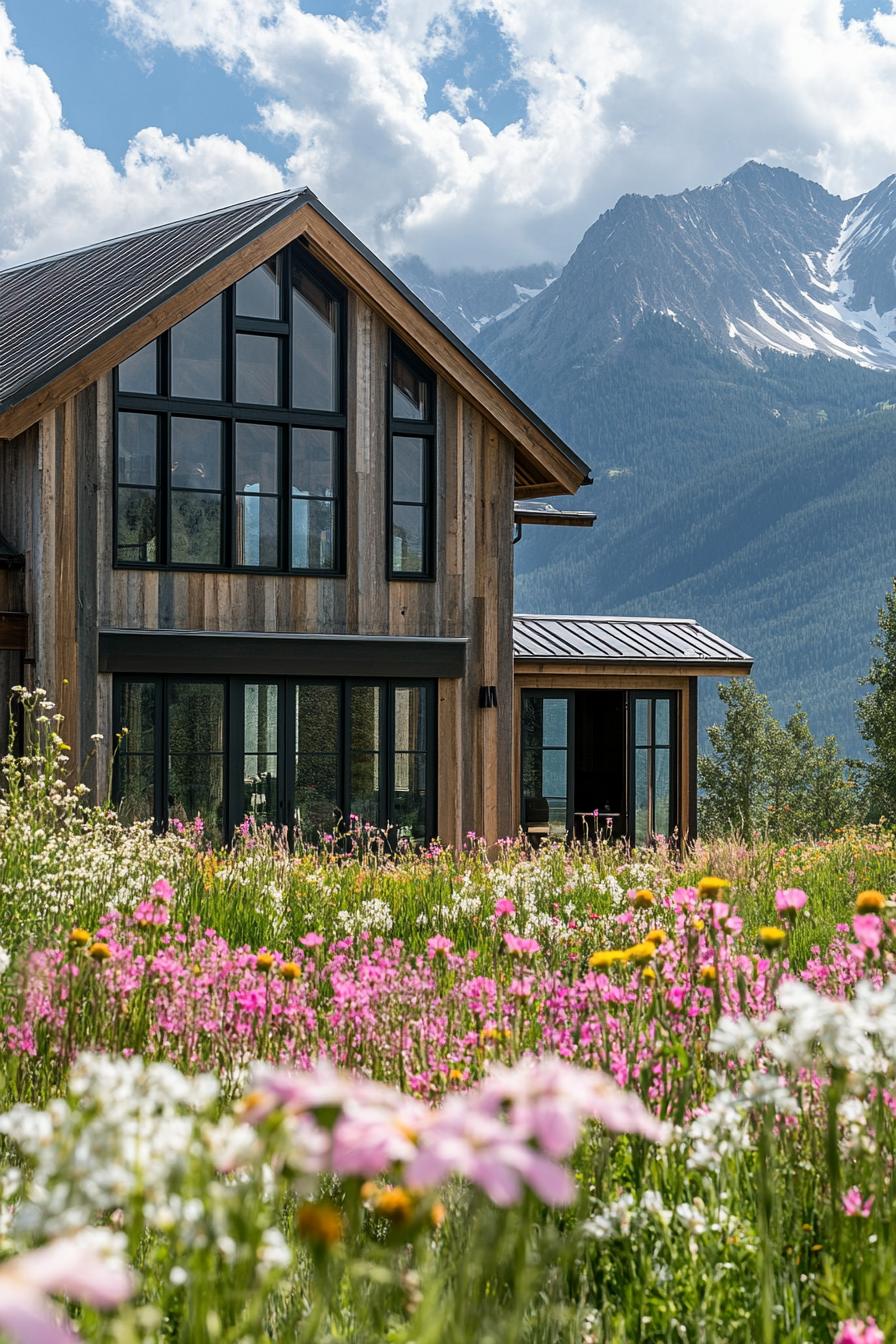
point(315, 345)
point(197, 364)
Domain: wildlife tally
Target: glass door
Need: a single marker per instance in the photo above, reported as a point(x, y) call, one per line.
point(654, 766)
point(546, 763)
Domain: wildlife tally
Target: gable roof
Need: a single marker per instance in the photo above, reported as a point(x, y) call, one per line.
point(102, 300)
point(623, 640)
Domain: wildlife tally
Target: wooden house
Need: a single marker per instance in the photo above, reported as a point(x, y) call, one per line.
point(257, 507)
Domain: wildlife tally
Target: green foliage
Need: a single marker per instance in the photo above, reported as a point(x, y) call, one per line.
point(877, 713)
point(769, 777)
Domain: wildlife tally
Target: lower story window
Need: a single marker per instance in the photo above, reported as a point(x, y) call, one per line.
point(316, 755)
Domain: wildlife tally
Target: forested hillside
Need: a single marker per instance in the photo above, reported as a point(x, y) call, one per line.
point(759, 500)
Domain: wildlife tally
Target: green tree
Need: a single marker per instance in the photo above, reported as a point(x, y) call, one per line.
point(771, 778)
point(877, 714)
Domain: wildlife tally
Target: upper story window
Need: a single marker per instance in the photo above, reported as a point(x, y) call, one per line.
point(230, 442)
point(412, 466)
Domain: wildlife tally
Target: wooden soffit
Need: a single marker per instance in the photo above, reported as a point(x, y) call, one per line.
point(542, 465)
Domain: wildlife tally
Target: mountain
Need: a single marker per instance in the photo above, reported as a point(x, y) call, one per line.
point(734, 481)
point(467, 300)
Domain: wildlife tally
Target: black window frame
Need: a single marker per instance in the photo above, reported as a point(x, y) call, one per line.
point(234, 751)
point(229, 412)
point(673, 699)
point(427, 430)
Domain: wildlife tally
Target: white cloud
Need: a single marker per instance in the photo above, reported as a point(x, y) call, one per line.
point(57, 193)
point(619, 95)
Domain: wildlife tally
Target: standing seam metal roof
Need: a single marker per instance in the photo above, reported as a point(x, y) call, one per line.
point(621, 639)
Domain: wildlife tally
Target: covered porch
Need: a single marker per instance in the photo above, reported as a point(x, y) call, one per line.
point(607, 713)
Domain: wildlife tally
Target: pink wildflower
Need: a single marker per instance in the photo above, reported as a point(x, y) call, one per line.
point(504, 907)
point(869, 930)
point(521, 947)
point(438, 944)
point(853, 1206)
point(162, 890)
point(789, 898)
point(311, 939)
point(82, 1267)
point(859, 1332)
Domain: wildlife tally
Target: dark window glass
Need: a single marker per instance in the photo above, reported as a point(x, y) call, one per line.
point(256, 485)
point(196, 754)
point(258, 369)
point(366, 741)
point(411, 394)
point(409, 470)
point(318, 744)
point(258, 293)
point(314, 487)
point(652, 800)
point(408, 805)
point(197, 363)
point(137, 526)
point(408, 539)
point(137, 448)
point(140, 372)
point(315, 345)
point(136, 751)
point(196, 453)
point(545, 761)
point(195, 528)
point(260, 734)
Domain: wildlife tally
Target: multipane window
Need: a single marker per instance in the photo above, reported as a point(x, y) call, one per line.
point(318, 756)
point(314, 487)
point(411, 468)
point(653, 813)
point(257, 484)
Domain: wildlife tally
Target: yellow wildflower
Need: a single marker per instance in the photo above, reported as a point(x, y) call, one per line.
point(79, 937)
point(599, 961)
point(713, 886)
point(869, 901)
point(264, 962)
point(643, 898)
point(290, 970)
point(99, 951)
point(648, 973)
point(656, 936)
point(320, 1223)
point(698, 924)
point(707, 973)
point(771, 936)
point(395, 1204)
point(642, 951)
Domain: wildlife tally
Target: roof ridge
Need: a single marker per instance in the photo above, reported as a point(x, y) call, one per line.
point(273, 197)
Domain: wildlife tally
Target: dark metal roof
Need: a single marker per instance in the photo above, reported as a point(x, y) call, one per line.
point(546, 515)
point(621, 639)
point(56, 311)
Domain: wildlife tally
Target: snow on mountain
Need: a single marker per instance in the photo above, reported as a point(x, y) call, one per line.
point(467, 300)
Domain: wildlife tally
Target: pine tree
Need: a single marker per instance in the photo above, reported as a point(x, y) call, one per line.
point(877, 714)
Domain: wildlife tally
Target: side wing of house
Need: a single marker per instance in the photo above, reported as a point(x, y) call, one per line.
point(265, 525)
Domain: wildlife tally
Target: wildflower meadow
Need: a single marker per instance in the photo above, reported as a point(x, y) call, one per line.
point(576, 1094)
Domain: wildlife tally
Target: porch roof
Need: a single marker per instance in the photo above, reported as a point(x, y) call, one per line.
point(624, 640)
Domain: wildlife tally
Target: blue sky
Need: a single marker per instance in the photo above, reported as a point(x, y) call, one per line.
point(473, 132)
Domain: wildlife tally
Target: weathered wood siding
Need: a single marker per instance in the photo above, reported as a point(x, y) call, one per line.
point(60, 513)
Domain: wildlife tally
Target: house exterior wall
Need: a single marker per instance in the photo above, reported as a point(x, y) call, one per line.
point(56, 506)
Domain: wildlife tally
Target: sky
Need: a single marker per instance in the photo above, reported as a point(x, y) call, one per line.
point(481, 133)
